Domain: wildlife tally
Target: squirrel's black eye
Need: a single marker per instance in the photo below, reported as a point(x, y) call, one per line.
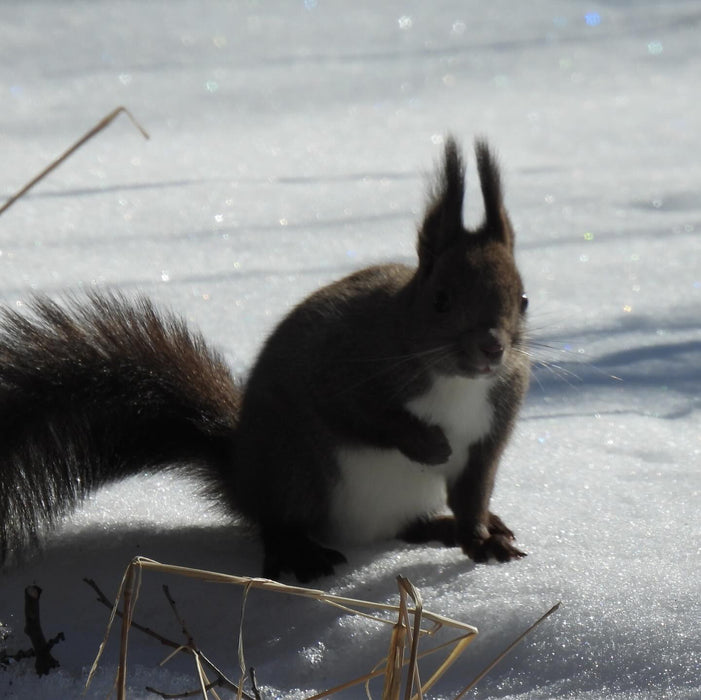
point(524, 303)
point(442, 301)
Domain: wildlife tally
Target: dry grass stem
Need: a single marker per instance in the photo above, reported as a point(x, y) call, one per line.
point(102, 124)
point(242, 660)
point(395, 656)
point(404, 632)
point(511, 646)
point(413, 672)
point(132, 582)
point(408, 629)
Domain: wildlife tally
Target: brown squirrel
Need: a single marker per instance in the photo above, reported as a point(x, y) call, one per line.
point(378, 404)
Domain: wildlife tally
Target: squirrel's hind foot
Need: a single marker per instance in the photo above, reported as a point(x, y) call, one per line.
point(294, 552)
point(441, 529)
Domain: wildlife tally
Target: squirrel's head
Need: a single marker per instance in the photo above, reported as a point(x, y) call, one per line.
point(467, 295)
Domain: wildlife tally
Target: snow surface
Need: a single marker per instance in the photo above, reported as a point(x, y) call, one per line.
point(290, 143)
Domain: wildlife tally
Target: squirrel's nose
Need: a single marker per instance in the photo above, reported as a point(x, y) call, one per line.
point(491, 346)
point(493, 350)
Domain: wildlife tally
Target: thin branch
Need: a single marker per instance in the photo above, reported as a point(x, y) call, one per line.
point(192, 647)
point(181, 622)
point(42, 649)
point(254, 683)
point(189, 693)
point(102, 598)
point(226, 682)
point(102, 124)
point(222, 679)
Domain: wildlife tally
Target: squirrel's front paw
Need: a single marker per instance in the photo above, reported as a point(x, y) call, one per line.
point(497, 526)
point(428, 445)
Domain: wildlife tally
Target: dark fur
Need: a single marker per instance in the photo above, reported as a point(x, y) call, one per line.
point(93, 392)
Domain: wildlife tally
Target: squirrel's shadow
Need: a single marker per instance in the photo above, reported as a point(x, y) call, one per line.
point(286, 637)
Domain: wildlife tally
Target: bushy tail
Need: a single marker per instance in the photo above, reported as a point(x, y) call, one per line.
point(95, 391)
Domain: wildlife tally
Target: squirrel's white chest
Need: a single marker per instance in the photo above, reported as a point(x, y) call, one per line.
point(380, 491)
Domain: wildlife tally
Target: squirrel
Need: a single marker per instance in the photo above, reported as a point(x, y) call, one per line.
point(379, 407)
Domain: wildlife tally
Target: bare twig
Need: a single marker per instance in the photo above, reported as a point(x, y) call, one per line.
point(254, 683)
point(187, 694)
point(222, 679)
point(6, 659)
point(226, 682)
point(103, 123)
point(42, 649)
point(102, 598)
point(192, 648)
point(181, 622)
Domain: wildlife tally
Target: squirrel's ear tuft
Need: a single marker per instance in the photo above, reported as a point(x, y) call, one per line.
point(442, 222)
point(496, 221)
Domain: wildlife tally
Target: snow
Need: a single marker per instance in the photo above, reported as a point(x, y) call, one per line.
point(290, 143)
